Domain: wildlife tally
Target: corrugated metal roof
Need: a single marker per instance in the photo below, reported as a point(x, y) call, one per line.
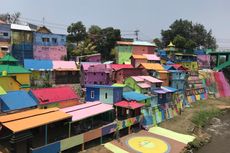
point(2, 91)
point(130, 105)
point(151, 79)
point(101, 86)
point(38, 65)
point(138, 56)
point(8, 58)
point(152, 57)
point(56, 94)
point(131, 95)
point(87, 110)
point(36, 121)
point(15, 100)
point(152, 66)
point(143, 85)
point(168, 67)
point(20, 27)
point(169, 89)
point(64, 65)
point(11, 69)
point(144, 43)
point(121, 66)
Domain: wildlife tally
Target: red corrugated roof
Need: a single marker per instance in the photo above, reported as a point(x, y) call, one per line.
point(179, 67)
point(121, 66)
point(127, 104)
point(57, 94)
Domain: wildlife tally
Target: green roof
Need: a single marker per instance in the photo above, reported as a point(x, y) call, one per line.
point(2, 91)
point(12, 69)
point(118, 85)
point(8, 58)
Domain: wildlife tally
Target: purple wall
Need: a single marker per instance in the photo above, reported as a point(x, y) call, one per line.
point(50, 52)
point(94, 58)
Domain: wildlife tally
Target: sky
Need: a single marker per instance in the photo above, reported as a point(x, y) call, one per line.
point(147, 16)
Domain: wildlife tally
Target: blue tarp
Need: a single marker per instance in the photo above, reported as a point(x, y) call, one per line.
point(15, 100)
point(38, 65)
point(131, 95)
point(170, 89)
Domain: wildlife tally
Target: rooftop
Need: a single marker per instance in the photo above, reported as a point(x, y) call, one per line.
point(129, 105)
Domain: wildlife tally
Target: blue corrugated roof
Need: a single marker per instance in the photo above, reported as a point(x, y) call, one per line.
point(131, 95)
point(168, 67)
point(170, 89)
point(169, 62)
point(38, 65)
point(15, 100)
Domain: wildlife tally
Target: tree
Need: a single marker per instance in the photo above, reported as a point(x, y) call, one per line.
point(10, 18)
point(84, 48)
point(76, 32)
point(194, 35)
point(179, 41)
point(158, 42)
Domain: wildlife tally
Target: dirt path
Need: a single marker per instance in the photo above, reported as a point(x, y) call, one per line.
point(220, 131)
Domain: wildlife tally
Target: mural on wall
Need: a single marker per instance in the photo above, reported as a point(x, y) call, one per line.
point(50, 52)
point(203, 61)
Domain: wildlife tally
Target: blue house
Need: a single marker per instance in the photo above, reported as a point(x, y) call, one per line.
point(164, 95)
point(16, 100)
point(177, 79)
point(103, 93)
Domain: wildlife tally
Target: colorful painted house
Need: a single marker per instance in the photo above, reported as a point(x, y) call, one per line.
point(22, 42)
point(143, 84)
point(5, 35)
point(187, 60)
point(122, 71)
point(135, 96)
point(63, 96)
point(128, 109)
point(96, 74)
point(15, 101)
point(12, 75)
point(89, 58)
point(156, 70)
point(23, 131)
point(49, 46)
point(103, 93)
point(41, 71)
point(204, 61)
point(124, 50)
point(164, 94)
point(65, 72)
point(136, 60)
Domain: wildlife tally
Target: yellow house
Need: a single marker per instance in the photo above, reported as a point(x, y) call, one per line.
point(12, 75)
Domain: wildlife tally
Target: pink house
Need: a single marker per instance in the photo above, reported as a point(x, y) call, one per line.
point(123, 71)
point(142, 47)
point(96, 74)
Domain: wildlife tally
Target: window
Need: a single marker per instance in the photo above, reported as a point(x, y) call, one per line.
point(54, 40)
point(5, 34)
point(106, 95)
point(45, 40)
point(92, 94)
point(102, 74)
point(94, 73)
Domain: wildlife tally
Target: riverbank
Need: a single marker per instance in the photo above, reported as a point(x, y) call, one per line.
point(184, 123)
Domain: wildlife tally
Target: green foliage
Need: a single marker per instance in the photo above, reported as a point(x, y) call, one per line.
point(179, 41)
point(194, 35)
point(96, 38)
point(203, 117)
point(76, 32)
point(158, 42)
point(84, 48)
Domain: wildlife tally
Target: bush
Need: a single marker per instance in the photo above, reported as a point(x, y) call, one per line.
point(202, 118)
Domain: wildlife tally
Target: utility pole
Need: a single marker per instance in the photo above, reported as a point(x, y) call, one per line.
point(136, 34)
point(43, 21)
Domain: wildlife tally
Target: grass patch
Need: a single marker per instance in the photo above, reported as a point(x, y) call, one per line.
point(202, 117)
